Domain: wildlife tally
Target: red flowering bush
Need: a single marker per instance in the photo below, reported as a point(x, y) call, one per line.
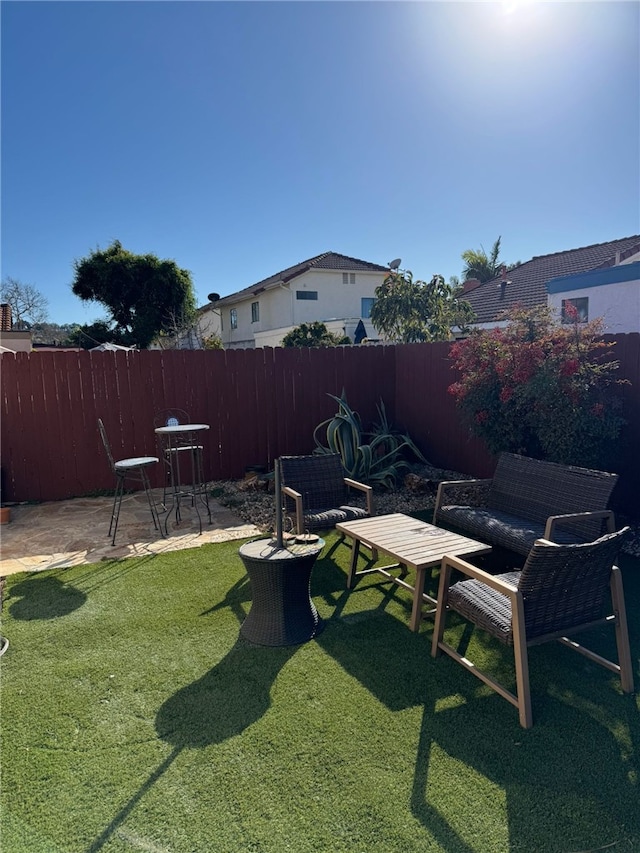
point(541, 389)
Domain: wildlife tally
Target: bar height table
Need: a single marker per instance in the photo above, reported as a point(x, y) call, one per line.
point(187, 476)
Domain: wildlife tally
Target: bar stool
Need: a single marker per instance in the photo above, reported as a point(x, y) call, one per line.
point(168, 449)
point(134, 468)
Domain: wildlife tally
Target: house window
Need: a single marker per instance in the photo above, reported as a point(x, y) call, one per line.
point(348, 278)
point(366, 304)
point(581, 305)
point(306, 294)
point(255, 312)
point(233, 318)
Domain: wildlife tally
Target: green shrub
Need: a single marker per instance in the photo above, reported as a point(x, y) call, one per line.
point(541, 389)
point(314, 334)
point(376, 457)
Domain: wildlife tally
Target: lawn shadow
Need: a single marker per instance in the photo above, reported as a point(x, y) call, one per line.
point(226, 700)
point(220, 705)
point(555, 800)
point(367, 643)
point(44, 598)
point(237, 599)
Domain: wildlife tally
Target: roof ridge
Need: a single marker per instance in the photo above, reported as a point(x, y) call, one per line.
point(580, 248)
point(527, 281)
point(294, 270)
point(563, 252)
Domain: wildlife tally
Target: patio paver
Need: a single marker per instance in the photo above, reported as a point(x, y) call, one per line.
point(57, 534)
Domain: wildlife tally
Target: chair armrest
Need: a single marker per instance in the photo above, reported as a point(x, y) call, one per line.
point(554, 520)
point(297, 497)
point(444, 486)
point(368, 490)
point(479, 574)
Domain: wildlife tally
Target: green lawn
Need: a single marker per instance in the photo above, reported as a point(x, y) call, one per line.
point(134, 718)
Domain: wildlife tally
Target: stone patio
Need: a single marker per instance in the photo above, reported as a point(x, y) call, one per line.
point(66, 533)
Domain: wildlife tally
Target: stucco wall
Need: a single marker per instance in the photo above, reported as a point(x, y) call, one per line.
point(18, 341)
point(281, 310)
point(618, 305)
point(613, 294)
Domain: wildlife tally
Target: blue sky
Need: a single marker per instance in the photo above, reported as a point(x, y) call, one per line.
point(241, 138)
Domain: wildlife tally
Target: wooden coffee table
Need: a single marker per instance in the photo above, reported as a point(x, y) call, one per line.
point(414, 544)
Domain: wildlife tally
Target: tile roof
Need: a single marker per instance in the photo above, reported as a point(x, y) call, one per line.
point(325, 261)
point(527, 282)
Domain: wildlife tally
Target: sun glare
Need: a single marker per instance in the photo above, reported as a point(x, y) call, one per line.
point(510, 7)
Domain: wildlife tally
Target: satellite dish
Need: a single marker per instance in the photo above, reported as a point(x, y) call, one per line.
point(213, 297)
point(395, 264)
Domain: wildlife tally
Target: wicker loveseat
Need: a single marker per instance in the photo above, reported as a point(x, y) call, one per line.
point(528, 499)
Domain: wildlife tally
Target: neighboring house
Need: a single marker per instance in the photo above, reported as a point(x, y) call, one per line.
point(612, 293)
point(12, 340)
point(331, 288)
point(605, 274)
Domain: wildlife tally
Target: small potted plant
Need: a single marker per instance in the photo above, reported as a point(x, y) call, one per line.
point(5, 511)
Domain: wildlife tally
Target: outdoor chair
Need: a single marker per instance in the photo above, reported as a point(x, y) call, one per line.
point(134, 468)
point(173, 417)
point(316, 492)
point(561, 589)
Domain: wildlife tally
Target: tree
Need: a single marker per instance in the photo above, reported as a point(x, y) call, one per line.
point(144, 294)
point(90, 335)
point(313, 334)
point(52, 334)
point(482, 266)
point(28, 304)
point(541, 389)
point(411, 311)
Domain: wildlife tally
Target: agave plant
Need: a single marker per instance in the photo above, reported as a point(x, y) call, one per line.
point(375, 457)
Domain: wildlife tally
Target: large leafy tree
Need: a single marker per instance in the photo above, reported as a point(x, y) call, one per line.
point(478, 264)
point(313, 334)
point(143, 294)
point(28, 305)
point(409, 311)
point(90, 335)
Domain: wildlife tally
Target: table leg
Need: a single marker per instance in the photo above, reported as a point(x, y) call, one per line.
point(355, 549)
point(416, 610)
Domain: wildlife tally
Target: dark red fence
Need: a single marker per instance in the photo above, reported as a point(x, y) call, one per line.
point(429, 412)
point(423, 374)
point(259, 404)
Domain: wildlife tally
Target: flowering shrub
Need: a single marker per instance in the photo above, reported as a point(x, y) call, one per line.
point(541, 389)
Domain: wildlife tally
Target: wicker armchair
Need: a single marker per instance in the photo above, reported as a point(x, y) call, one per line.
point(316, 492)
point(561, 589)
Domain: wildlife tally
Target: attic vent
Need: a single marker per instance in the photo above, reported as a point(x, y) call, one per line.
point(348, 278)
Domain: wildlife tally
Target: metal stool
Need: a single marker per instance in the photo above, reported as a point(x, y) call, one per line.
point(135, 469)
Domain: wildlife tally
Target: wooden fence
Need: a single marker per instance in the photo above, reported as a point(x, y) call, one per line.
point(259, 403)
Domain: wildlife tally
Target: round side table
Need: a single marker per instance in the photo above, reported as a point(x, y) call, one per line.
point(282, 612)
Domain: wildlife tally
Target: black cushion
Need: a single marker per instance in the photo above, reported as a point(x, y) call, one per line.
point(500, 528)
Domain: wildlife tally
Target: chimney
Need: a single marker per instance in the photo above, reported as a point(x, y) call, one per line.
point(5, 317)
point(504, 282)
point(470, 284)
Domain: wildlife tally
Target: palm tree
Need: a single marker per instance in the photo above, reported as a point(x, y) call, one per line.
point(480, 265)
